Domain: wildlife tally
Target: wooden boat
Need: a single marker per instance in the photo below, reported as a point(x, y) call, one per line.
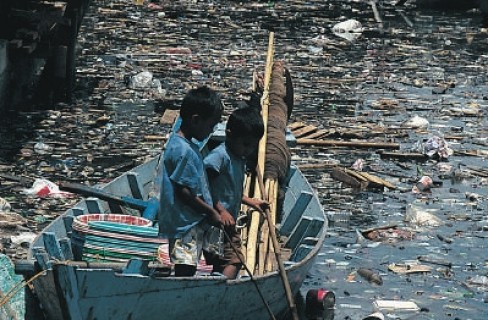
point(70, 289)
point(94, 262)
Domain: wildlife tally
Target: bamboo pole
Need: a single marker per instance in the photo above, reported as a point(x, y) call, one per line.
point(247, 187)
point(264, 244)
point(251, 249)
point(273, 198)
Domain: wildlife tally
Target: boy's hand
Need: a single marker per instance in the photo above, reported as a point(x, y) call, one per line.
point(227, 219)
point(258, 204)
point(214, 219)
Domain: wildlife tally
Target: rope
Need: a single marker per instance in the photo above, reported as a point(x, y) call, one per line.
point(270, 312)
point(15, 289)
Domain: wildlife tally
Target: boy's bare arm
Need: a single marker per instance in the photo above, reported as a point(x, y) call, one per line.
point(257, 204)
point(197, 204)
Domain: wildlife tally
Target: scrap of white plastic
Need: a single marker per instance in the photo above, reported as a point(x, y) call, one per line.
point(416, 216)
point(24, 239)
point(416, 122)
point(395, 305)
point(350, 29)
point(143, 79)
point(437, 145)
point(358, 165)
point(46, 188)
point(4, 205)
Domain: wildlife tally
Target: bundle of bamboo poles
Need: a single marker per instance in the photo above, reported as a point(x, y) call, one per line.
point(272, 164)
point(254, 242)
point(260, 243)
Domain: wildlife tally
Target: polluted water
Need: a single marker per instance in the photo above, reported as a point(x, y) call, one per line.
point(389, 119)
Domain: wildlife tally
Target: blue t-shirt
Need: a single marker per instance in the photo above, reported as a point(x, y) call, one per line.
point(227, 187)
point(182, 165)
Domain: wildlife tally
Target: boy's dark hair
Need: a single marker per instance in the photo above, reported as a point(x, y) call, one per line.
point(202, 101)
point(246, 122)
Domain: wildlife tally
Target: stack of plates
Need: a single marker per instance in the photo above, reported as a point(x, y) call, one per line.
point(118, 238)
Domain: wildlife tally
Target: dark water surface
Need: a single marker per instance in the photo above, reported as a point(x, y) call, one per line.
point(430, 64)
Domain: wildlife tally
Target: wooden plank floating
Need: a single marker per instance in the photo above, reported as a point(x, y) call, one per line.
point(350, 144)
point(359, 179)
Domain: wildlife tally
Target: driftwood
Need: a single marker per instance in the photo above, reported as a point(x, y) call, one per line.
point(404, 155)
point(352, 144)
point(341, 175)
point(359, 179)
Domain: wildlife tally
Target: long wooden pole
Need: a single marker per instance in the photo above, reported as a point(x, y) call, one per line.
point(277, 252)
point(255, 216)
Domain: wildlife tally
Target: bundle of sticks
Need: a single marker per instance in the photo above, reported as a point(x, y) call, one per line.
point(273, 162)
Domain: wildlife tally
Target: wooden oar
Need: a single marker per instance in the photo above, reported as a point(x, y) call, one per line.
point(277, 252)
point(148, 208)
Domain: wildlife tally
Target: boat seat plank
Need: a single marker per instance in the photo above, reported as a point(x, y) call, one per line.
point(301, 252)
point(93, 205)
point(137, 266)
point(77, 211)
point(52, 246)
point(306, 229)
point(114, 207)
point(135, 187)
point(68, 223)
point(298, 232)
point(42, 258)
point(66, 251)
point(296, 212)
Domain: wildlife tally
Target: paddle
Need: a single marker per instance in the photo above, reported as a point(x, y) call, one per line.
point(148, 207)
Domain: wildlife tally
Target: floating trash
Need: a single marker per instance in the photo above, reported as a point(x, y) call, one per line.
point(419, 217)
point(4, 205)
point(395, 305)
point(423, 185)
point(350, 29)
point(46, 188)
point(416, 122)
point(437, 146)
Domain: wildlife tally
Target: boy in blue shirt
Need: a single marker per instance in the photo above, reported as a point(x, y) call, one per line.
point(226, 169)
point(186, 206)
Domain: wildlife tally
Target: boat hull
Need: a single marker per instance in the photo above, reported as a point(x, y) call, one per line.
point(104, 294)
point(78, 290)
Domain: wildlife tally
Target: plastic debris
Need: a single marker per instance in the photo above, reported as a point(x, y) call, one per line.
point(42, 148)
point(46, 188)
point(416, 216)
point(395, 305)
point(437, 146)
point(358, 165)
point(4, 205)
point(416, 122)
point(371, 276)
point(23, 240)
point(350, 29)
point(423, 185)
point(479, 282)
point(388, 234)
point(408, 267)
